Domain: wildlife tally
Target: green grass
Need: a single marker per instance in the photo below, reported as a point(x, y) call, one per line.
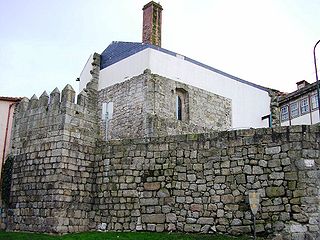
point(115, 236)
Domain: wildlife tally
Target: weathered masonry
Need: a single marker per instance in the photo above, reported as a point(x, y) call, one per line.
point(150, 105)
point(67, 178)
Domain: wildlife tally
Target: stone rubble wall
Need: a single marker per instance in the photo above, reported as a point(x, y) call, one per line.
point(145, 106)
point(66, 178)
point(128, 120)
point(200, 182)
point(54, 148)
point(205, 111)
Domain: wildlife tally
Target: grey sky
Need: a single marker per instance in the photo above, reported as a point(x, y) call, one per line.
point(45, 43)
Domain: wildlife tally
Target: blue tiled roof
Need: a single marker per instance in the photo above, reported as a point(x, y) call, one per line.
point(118, 51)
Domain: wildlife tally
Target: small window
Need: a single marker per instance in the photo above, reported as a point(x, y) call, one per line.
point(182, 105)
point(314, 102)
point(294, 110)
point(284, 113)
point(304, 106)
point(178, 108)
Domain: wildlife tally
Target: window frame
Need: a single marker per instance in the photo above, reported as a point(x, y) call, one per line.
point(282, 114)
point(314, 105)
point(296, 103)
point(306, 99)
point(178, 108)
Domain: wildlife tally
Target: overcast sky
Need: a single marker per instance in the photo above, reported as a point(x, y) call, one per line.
point(44, 43)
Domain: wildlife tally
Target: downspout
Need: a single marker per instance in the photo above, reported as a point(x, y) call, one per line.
point(289, 111)
point(310, 110)
point(317, 79)
point(6, 134)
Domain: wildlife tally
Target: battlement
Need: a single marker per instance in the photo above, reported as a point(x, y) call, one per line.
point(55, 115)
point(57, 100)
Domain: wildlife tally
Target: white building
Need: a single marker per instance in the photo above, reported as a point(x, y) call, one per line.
point(301, 106)
point(121, 61)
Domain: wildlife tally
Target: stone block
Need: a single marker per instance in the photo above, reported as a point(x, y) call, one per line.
point(151, 227)
point(229, 198)
point(298, 228)
point(274, 163)
point(240, 230)
point(171, 218)
point(191, 220)
point(191, 177)
point(153, 218)
point(151, 186)
point(247, 169)
point(257, 170)
point(196, 207)
point(275, 191)
point(273, 150)
point(291, 176)
point(130, 193)
point(163, 193)
point(149, 201)
point(192, 228)
point(276, 175)
point(220, 179)
point(197, 167)
point(205, 220)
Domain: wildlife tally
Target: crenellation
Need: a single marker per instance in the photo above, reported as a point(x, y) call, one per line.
point(33, 103)
point(54, 97)
point(82, 98)
point(68, 94)
point(44, 99)
point(21, 108)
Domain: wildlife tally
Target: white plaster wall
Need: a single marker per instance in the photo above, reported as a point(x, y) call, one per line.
point(249, 104)
point(125, 69)
point(304, 119)
point(85, 75)
point(315, 117)
point(285, 123)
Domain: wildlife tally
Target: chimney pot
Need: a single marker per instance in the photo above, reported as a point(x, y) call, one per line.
point(302, 84)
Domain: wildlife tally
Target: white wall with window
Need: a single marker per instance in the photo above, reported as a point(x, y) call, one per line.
point(304, 110)
point(249, 103)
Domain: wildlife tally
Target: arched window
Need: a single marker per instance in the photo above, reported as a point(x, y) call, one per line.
point(182, 104)
point(178, 108)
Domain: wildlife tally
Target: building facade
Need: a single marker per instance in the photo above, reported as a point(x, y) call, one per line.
point(301, 106)
point(122, 61)
point(7, 106)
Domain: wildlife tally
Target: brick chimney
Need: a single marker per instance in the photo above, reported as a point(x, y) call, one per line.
point(151, 29)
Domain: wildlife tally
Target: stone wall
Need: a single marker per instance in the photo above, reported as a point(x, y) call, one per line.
point(200, 183)
point(145, 106)
point(54, 148)
point(66, 178)
point(129, 102)
point(205, 111)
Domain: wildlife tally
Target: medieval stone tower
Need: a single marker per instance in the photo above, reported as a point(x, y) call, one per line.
point(155, 153)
